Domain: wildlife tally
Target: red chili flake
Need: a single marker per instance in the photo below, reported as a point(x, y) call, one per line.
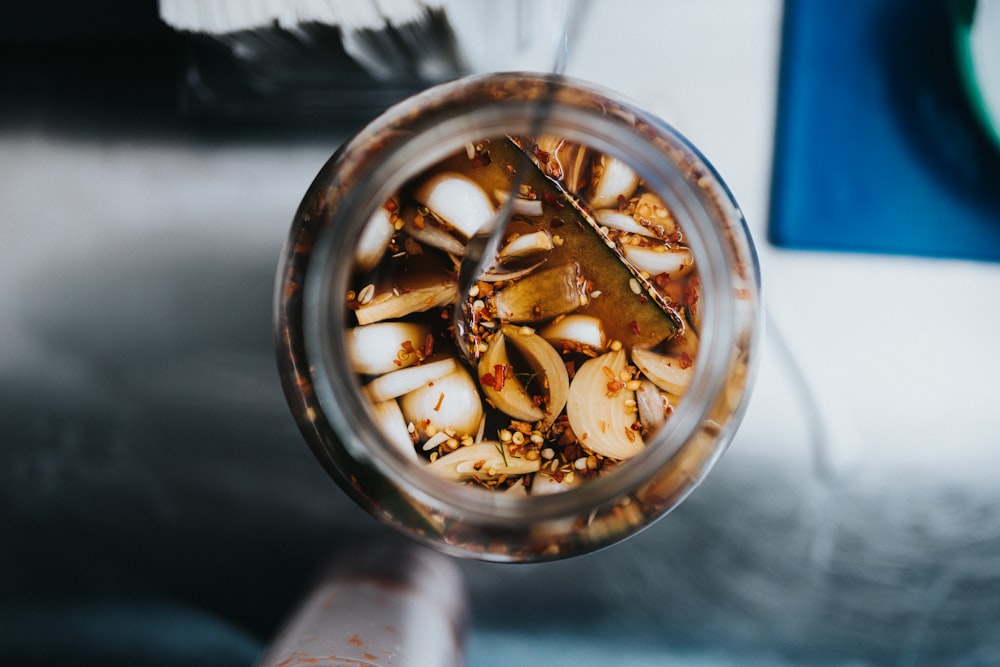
point(537, 400)
point(642, 298)
point(437, 407)
point(615, 386)
point(662, 280)
point(634, 327)
point(690, 297)
point(418, 221)
point(636, 426)
point(500, 376)
point(685, 360)
point(478, 465)
point(489, 380)
point(556, 223)
point(428, 345)
point(622, 203)
point(571, 369)
point(391, 205)
point(543, 156)
point(558, 476)
point(552, 201)
point(407, 346)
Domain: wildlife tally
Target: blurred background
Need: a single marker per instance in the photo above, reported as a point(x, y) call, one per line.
point(157, 504)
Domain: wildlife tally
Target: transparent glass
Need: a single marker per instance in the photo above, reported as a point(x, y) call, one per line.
point(312, 315)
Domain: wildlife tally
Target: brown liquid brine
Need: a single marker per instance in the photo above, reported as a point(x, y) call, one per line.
point(584, 331)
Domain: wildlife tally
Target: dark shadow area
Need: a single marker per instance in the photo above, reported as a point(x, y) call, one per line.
point(148, 454)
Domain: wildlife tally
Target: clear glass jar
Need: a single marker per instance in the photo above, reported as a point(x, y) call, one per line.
point(327, 398)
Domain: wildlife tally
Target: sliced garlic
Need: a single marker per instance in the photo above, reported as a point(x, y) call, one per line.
point(675, 262)
point(448, 402)
point(601, 419)
point(667, 372)
point(459, 201)
point(520, 205)
point(542, 295)
point(433, 235)
point(397, 383)
point(390, 420)
point(584, 330)
point(486, 460)
point(622, 222)
point(390, 305)
point(380, 348)
point(545, 362)
point(612, 179)
point(511, 398)
point(526, 245)
point(373, 241)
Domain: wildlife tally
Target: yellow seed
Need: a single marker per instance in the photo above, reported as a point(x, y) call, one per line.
point(633, 285)
point(595, 294)
point(505, 436)
point(531, 455)
point(569, 478)
point(517, 438)
point(615, 345)
point(592, 462)
point(474, 290)
point(537, 438)
point(548, 453)
point(366, 294)
point(557, 240)
point(580, 463)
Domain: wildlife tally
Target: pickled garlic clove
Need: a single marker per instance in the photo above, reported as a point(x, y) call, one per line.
point(654, 405)
point(448, 402)
point(520, 205)
point(547, 485)
point(602, 418)
point(397, 383)
point(612, 179)
point(623, 222)
point(496, 276)
point(459, 201)
point(658, 260)
point(579, 330)
point(526, 245)
point(399, 303)
point(383, 347)
point(393, 425)
point(430, 233)
point(374, 240)
point(564, 161)
point(487, 460)
point(650, 210)
point(545, 363)
point(671, 374)
point(502, 386)
point(542, 295)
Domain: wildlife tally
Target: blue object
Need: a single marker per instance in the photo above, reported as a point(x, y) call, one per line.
point(877, 148)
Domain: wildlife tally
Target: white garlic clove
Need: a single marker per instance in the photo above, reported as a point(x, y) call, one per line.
point(399, 303)
point(459, 201)
point(586, 331)
point(383, 347)
point(612, 179)
point(675, 262)
point(486, 460)
point(397, 383)
point(669, 373)
point(520, 206)
point(374, 240)
point(603, 419)
point(390, 419)
point(448, 402)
